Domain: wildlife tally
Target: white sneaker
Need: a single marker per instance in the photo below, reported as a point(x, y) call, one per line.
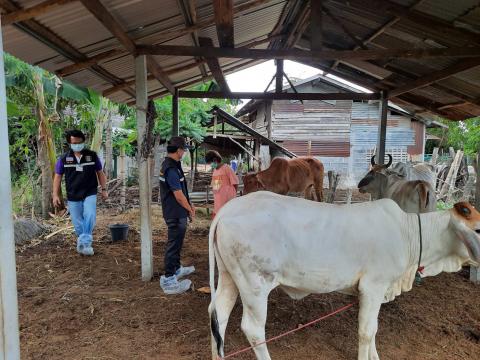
point(170, 285)
point(85, 250)
point(183, 271)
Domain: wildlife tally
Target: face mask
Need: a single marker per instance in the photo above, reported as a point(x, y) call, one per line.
point(214, 165)
point(77, 147)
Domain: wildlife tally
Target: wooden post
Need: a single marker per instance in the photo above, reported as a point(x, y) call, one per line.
point(434, 158)
point(309, 148)
point(9, 335)
point(449, 183)
point(268, 117)
point(382, 128)
point(279, 76)
point(475, 271)
point(143, 171)
point(123, 178)
point(175, 121)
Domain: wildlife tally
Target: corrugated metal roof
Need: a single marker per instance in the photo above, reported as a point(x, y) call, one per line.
point(144, 20)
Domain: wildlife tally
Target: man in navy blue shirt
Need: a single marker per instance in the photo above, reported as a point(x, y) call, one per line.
point(176, 208)
point(82, 170)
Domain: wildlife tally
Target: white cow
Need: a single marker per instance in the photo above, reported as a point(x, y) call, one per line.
point(263, 240)
point(420, 171)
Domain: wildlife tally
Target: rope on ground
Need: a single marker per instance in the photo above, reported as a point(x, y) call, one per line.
point(313, 322)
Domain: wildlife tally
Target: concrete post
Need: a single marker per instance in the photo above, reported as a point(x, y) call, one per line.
point(9, 335)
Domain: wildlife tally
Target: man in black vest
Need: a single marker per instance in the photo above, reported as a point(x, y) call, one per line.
point(177, 208)
point(81, 168)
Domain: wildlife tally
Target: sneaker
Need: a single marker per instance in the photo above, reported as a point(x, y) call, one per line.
point(184, 271)
point(170, 285)
point(85, 250)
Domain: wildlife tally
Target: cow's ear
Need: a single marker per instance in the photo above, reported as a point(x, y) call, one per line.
point(463, 209)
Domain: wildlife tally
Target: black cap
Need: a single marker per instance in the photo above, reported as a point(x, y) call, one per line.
point(179, 142)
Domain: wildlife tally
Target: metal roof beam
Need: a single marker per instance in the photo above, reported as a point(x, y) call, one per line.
point(296, 54)
point(31, 12)
point(223, 10)
point(103, 15)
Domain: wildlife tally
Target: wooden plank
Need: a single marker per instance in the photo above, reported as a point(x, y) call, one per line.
point(279, 96)
point(31, 12)
point(103, 15)
point(316, 25)
point(297, 54)
point(214, 65)
point(337, 21)
point(436, 76)
point(223, 10)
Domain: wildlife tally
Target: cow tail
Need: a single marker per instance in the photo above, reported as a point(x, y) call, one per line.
point(215, 328)
point(424, 195)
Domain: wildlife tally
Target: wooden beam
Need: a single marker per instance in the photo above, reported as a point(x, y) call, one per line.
point(279, 76)
point(279, 96)
point(436, 76)
point(31, 12)
point(223, 10)
point(94, 60)
point(404, 12)
point(424, 103)
point(214, 65)
point(296, 54)
point(109, 22)
point(453, 105)
point(316, 27)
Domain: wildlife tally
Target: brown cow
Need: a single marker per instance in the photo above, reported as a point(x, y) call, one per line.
point(288, 175)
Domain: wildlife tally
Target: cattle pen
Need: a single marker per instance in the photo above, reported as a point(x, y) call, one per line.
point(421, 56)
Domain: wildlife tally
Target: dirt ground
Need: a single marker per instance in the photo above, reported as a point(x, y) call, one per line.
point(73, 307)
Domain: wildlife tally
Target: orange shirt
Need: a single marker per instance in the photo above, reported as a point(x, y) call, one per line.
point(223, 181)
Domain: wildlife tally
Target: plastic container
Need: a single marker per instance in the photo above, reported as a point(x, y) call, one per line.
point(119, 232)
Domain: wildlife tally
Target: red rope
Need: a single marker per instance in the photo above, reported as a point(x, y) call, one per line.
point(232, 354)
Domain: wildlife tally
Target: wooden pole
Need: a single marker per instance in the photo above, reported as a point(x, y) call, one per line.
point(382, 129)
point(279, 76)
point(175, 122)
point(143, 181)
point(9, 334)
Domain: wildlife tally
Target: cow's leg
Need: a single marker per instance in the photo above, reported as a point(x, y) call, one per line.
point(370, 302)
point(253, 323)
point(226, 296)
point(319, 191)
point(309, 193)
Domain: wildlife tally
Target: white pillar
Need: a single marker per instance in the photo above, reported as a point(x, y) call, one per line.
point(9, 337)
point(143, 173)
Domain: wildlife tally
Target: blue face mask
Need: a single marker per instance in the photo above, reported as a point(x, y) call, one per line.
point(77, 147)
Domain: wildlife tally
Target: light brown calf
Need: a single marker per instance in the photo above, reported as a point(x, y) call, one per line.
point(288, 176)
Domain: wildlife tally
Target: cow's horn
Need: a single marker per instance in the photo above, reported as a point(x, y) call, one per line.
point(390, 160)
point(372, 160)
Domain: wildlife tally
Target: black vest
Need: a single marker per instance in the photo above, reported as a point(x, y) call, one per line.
point(80, 184)
point(170, 207)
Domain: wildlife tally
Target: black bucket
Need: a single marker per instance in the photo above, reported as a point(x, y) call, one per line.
point(119, 232)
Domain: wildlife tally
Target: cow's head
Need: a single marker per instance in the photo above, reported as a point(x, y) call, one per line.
point(376, 178)
point(251, 183)
point(466, 225)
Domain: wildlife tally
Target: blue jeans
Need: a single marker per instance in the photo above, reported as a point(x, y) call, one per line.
point(83, 215)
